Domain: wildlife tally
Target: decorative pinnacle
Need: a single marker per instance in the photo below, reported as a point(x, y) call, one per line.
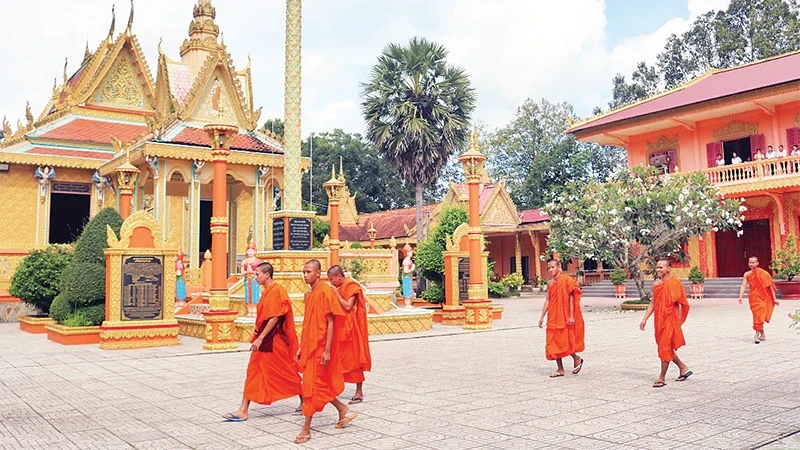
point(130, 21)
point(110, 38)
point(473, 140)
point(341, 170)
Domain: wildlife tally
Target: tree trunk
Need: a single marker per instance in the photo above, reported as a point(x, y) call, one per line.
point(419, 211)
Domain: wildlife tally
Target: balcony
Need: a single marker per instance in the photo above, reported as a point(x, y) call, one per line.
point(772, 174)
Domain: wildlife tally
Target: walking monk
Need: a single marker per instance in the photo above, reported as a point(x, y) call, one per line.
point(761, 296)
point(564, 319)
point(272, 371)
point(356, 358)
point(320, 352)
point(671, 308)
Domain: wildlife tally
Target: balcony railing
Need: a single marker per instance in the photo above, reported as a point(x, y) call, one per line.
point(779, 169)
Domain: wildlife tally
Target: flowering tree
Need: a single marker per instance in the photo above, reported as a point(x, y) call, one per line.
point(637, 218)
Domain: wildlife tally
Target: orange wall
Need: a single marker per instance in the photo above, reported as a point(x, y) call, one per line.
point(502, 249)
point(692, 144)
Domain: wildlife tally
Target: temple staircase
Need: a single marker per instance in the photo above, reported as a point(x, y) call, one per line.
point(714, 288)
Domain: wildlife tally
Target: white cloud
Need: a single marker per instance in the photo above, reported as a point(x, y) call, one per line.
point(512, 49)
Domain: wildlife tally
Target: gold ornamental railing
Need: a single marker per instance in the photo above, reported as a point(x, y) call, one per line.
point(784, 171)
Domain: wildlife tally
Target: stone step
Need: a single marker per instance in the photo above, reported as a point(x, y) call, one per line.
point(714, 288)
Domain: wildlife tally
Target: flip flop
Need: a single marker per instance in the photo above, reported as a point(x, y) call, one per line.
point(556, 375)
point(231, 417)
point(659, 384)
point(684, 376)
point(344, 422)
point(355, 400)
point(577, 370)
point(297, 412)
point(302, 439)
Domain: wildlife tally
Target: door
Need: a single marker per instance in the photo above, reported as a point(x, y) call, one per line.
point(733, 251)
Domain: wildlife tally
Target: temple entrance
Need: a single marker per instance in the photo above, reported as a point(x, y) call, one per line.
point(739, 146)
point(733, 251)
point(205, 227)
point(69, 211)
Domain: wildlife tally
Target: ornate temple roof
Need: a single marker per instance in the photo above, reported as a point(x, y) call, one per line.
point(713, 85)
point(533, 216)
point(185, 134)
point(396, 222)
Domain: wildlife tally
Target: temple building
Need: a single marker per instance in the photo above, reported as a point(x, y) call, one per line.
point(57, 170)
point(513, 236)
point(723, 123)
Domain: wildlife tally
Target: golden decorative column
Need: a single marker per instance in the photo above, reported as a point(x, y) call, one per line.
point(219, 319)
point(292, 106)
point(478, 309)
point(518, 254)
point(537, 261)
point(372, 232)
point(127, 174)
point(334, 188)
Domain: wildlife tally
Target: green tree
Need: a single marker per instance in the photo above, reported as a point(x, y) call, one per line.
point(428, 255)
point(274, 126)
point(644, 83)
point(417, 108)
point(36, 280)
point(537, 159)
point(638, 218)
point(375, 184)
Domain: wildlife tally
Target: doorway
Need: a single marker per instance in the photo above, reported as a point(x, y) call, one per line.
point(733, 251)
point(739, 146)
point(68, 215)
point(205, 227)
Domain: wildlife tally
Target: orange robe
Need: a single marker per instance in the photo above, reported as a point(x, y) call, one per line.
point(761, 297)
point(356, 358)
point(273, 376)
point(321, 384)
point(562, 339)
point(669, 336)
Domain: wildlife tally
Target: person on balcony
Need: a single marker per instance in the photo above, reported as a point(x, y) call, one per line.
point(735, 159)
point(771, 153)
point(795, 150)
point(720, 160)
point(781, 152)
point(759, 155)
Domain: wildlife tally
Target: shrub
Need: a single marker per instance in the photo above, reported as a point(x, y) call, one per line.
point(356, 245)
point(786, 262)
point(434, 294)
point(36, 280)
point(618, 276)
point(695, 276)
point(60, 308)
point(512, 280)
point(542, 282)
point(94, 315)
point(321, 229)
point(429, 259)
point(496, 290)
point(354, 266)
point(84, 284)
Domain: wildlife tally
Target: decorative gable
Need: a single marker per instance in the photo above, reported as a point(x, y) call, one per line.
point(121, 87)
point(215, 103)
point(500, 209)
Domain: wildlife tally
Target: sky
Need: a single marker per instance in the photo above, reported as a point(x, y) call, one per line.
point(559, 50)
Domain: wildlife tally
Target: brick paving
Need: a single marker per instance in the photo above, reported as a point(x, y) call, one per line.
point(445, 388)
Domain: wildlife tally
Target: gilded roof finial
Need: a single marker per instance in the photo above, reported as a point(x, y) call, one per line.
point(333, 172)
point(341, 170)
point(66, 78)
point(29, 115)
point(130, 21)
point(222, 39)
point(110, 38)
point(473, 140)
point(86, 53)
point(160, 52)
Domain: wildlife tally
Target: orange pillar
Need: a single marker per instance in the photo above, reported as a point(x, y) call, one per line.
point(334, 188)
point(125, 203)
point(127, 174)
point(220, 329)
point(474, 236)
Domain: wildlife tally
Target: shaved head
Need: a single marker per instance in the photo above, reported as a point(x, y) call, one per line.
point(314, 263)
point(666, 261)
point(335, 270)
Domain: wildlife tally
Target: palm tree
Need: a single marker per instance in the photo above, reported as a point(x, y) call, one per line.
point(417, 109)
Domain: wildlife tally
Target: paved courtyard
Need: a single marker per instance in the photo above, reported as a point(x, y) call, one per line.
point(446, 388)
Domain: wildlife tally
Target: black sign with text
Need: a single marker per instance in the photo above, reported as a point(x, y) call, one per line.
point(142, 287)
point(277, 233)
point(299, 234)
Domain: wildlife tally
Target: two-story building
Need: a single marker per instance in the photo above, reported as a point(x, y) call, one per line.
point(710, 124)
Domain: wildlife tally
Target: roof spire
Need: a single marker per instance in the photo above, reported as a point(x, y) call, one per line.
point(341, 170)
point(86, 54)
point(66, 78)
point(130, 21)
point(110, 38)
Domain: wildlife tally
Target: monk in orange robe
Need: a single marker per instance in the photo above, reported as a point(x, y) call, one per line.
point(671, 308)
point(356, 357)
point(272, 373)
point(761, 296)
point(320, 355)
point(565, 328)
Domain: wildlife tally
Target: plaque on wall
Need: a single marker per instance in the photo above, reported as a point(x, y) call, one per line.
point(463, 279)
point(299, 234)
point(142, 287)
point(277, 233)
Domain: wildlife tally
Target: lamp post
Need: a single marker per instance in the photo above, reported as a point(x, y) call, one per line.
point(127, 174)
point(372, 232)
point(219, 336)
point(333, 188)
point(478, 314)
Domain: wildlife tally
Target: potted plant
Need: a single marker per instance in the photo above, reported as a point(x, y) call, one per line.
point(542, 284)
point(512, 282)
point(36, 282)
point(786, 265)
point(618, 279)
point(579, 277)
point(696, 277)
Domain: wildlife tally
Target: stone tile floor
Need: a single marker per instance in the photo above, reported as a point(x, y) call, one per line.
point(445, 388)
